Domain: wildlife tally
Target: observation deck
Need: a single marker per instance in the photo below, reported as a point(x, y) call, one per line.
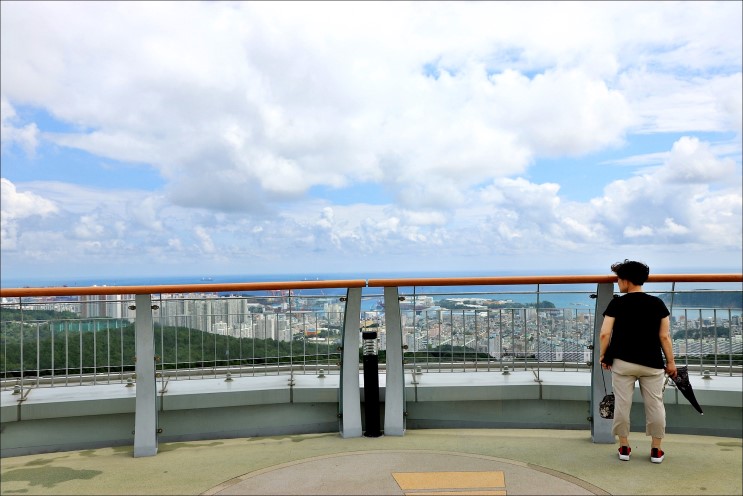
point(491, 390)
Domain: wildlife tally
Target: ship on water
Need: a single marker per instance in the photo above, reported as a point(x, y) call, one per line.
point(420, 303)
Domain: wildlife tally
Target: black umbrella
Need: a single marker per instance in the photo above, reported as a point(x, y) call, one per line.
point(682, 384)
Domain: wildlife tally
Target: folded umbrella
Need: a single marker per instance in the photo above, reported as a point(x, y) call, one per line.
point(682, 384)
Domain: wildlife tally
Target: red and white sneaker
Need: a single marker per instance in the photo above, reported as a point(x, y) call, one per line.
point(624, 452)
point(656, 455)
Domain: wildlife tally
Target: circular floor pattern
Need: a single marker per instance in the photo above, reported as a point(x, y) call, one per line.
point(408, 472)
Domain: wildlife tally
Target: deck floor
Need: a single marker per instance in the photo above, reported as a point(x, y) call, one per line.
point(440, 461)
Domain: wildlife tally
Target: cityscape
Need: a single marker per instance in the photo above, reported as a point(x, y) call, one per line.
point(451, 328)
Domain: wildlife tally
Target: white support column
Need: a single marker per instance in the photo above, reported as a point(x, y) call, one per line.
point(600, 427)
point(145, 415)
point(394, 399)
point(350, 397)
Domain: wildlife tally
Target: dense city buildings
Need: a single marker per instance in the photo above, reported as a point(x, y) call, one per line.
point(487, 328)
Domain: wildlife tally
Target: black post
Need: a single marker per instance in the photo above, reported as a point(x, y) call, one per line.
point(371, 384)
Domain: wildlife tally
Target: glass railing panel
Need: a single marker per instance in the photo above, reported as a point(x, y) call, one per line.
point(201, 337)
point(44, 344)
point(482, 329)
point(706, 326)
point(89, 341)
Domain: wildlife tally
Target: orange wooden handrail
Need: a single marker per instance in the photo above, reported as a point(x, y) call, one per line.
point(696, 278)
point(355, 283)
point(489, 281)
point(518, 280)
point(182, 288)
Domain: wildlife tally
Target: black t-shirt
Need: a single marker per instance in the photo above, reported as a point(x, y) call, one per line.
point(636, 334)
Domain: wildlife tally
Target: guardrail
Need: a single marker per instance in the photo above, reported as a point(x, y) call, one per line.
point(152, 328)
point(270, 328)
point(91, 339)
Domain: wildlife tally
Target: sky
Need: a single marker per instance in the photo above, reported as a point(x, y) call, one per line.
point(172, 138)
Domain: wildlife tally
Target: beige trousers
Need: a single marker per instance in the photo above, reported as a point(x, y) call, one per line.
point(623, 377)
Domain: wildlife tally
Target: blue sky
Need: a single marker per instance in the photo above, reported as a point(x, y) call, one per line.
point(167, 138)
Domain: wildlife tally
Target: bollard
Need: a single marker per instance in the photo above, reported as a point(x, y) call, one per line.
point(371, 384)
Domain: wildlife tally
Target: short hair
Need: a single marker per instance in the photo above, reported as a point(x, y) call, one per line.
point(632, 271)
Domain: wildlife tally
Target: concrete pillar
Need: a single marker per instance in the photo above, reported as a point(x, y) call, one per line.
point(394, 400)
point(145, 416)
point(350, 398)
point(600, 427)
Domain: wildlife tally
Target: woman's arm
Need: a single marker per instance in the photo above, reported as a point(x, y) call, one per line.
point(604, 338)
point(667, 345)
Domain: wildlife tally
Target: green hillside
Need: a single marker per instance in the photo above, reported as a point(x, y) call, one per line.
point(105, 347)
point(705, 299)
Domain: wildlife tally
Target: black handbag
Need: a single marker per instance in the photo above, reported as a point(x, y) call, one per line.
point(606, 405)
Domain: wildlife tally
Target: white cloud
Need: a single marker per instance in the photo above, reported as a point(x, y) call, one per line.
point(670, 227)
point(694, 162)
point(511, 218)
point(17, 206)
point(27, 137)
point(243, 108)
point(693, 196)
point(145, 213)
point(636, 232)
point(424, 218)
point(206, 244)
point(665, 102)
point(326, 218)
point(88, 227)
point(561, 112)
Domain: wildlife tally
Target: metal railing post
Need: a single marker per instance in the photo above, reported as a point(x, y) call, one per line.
point(350, 398)
point(145, 415)
point(394, 399)
point(600, 427)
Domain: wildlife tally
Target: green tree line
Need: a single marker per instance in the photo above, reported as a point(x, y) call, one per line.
point(112, 348)
point(14, 314)
point(705, 299)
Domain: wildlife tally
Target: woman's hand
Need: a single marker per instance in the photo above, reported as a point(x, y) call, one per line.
point(603, 365)
point(670, 369)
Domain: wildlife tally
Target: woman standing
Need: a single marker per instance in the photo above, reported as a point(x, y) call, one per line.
point(635, 331)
